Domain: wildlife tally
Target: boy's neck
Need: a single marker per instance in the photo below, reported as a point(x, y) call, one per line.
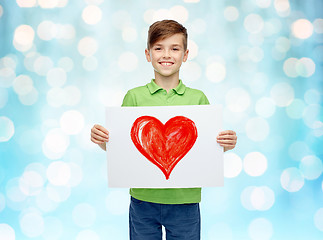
point(167, 83)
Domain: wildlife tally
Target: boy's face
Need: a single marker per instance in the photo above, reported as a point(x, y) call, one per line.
point(167, 56)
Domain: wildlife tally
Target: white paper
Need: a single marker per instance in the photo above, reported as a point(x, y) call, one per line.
point(202, 166)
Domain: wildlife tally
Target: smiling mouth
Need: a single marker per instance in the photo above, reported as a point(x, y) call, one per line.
point(166, 63)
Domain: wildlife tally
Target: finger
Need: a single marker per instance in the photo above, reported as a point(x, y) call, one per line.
point(97, 132)
point(229, 142)
point(227, 145)
point(96, 141)
point(227, 132)
point(233, 137)
point(101, 128)
point(99, 138)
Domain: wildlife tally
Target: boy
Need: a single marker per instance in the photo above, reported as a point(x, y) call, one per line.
point(176, 209)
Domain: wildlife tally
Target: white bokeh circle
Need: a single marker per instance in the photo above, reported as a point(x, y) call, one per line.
point(84, 215)
point(92, 14)
point(87, 46)
point(7, 232)
point(257, 129)
point(291, 179)
point(282, 93)
point(58, 173)
point(72, 122)
point(255, 164)
point(318, 219)
point(265, 107)
point(232, 165)
point(32, 224)
point(55, 144)
point(128, 61)
point(260, 229)
point(302, 28)
point(7, 129)
point(311, 167)
point(215, 72)
point(237, 100)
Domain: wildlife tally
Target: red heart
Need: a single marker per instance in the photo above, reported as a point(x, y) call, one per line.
point(164, 145)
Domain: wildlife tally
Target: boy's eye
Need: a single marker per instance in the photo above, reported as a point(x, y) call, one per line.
point(175, 49)
point(157, 48)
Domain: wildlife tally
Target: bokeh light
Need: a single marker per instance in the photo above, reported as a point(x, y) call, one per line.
point(318, 25)
point(311, 167)
point(31, 183)
point(237, 99)
point(302, 28)
point(56, 193)
point(282, 94)
point(55, 144)
point(253, 23)
point(23, 85)
point(84, 215)
point(318, 219)
point(56, 77)
point(295, 109)
point(92, 14)
point(216, 72)
point(32, 223)
point(298, 149)
point(257, 198)
point(58, 173)
point(257, 129)
point(232, 165)
point(291, 179)
point(7, 129)
point(260, 228)
point(23, 37)
point(87, 46)
point(231, 13)
point(72, 122)
point(7, 76)
point(255, 164)
point(265, 107)
point(62, 62)
point(128, 61)
point(7, 232)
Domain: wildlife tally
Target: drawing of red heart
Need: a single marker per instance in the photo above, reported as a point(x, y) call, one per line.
point(164, 145)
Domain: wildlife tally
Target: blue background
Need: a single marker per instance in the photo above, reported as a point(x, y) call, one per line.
point(63, 61)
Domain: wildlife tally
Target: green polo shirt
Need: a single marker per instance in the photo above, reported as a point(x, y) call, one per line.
point(153, 95)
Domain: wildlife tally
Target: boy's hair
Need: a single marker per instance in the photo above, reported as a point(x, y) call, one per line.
point(164, 29)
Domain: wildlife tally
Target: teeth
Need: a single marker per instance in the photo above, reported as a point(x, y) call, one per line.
point(166, 64)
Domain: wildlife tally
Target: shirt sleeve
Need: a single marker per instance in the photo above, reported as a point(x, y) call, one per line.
point(128, 100)
point(204, 100)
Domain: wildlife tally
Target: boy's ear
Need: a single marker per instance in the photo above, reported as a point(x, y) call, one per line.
point(147, 55)
point(185, 55)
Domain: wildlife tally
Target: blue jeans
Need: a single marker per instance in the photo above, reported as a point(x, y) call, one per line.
point(181, 221)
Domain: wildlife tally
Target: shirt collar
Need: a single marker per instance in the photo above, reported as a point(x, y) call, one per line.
point(153, 87)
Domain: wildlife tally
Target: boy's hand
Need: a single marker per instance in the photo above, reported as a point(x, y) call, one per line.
point(99, 135)
point(227, 139)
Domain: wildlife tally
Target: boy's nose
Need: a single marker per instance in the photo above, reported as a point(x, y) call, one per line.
point(166, 54)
